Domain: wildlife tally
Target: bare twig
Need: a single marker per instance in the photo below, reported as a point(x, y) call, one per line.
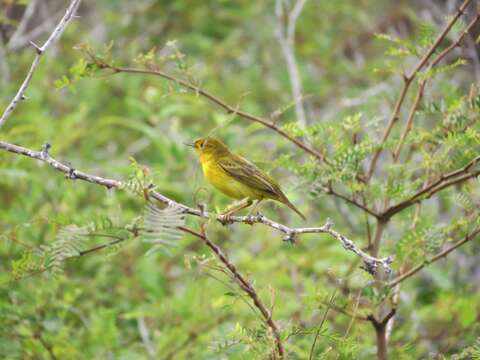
point(216, 100)
point(285, 34)
point(324, 317)
point(330, 190)
point(440, 255)
point(244, 285)
point(22, 26)
point(57, 32)
point(408, 79)
point(145, 335)
point(371, 263)
point(444, 181)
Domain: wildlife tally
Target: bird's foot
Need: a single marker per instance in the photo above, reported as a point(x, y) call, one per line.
point(252, 219)
point(225, 219)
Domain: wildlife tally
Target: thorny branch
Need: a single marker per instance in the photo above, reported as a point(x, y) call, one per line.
point(371, 263)
point(57, 32)
point(408, 80)
point(244, 285)
point(216, 100)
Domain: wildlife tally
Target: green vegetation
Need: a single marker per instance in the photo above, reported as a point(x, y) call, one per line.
point(381, 146)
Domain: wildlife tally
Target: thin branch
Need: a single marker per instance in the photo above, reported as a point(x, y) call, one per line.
point(331, 191)
point(440, 255)
point(421, 87)
point(324, 317)
point(407, 81)
point(145, 336)
point(57, 32)
point(371, 263)
point(244, 285)
point(286, 38)
point(444, 181)
point(216, 100)
point(41, 270)
point(22, 26)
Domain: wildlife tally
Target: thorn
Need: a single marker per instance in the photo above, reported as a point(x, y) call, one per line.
point(388, 260)
point(369, 267)
point(45, 148)
point(203, 208)
point(23, 97)
point(37, 48)
point(71, 174)
point(290, 238)
point(328, 225)
point(76, 16)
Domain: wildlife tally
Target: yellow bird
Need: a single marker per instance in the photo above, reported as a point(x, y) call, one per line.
point(237, 177)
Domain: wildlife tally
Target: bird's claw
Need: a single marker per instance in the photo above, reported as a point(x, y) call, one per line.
point(225, 219)
point(250, 219)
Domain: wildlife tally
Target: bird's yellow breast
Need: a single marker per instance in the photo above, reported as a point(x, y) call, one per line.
point(225, 182)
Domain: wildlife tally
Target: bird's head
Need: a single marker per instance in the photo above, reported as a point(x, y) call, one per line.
point(209, 146)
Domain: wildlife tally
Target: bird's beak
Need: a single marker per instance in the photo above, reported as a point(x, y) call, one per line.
point(189, 144)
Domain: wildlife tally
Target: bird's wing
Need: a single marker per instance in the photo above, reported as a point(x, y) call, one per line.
point(247, 173)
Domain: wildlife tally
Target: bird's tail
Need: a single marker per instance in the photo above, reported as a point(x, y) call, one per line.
point(291, 206)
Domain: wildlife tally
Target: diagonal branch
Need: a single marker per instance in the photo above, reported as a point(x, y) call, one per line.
point(407, 81)
point(421, 87)
point(57, 32)
point(444, 181)
point(244, 285)
point(371, 263)
point(216, 100)
point(437, 257)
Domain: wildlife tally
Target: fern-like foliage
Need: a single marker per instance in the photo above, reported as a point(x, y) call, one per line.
point(161, 226)
point(70, 242)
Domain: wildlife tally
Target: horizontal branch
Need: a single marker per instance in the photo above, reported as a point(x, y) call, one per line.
point(371, 263)
point(57, 32)
point(444, 181)
point(437, 257)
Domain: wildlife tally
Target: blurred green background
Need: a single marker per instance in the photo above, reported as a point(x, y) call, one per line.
point(121, 304)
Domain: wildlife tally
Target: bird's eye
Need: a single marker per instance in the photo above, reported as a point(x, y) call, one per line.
point(203, 144)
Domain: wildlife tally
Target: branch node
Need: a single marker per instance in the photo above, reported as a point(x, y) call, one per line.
point(23, 97)
point(44, 151)
point(37, 48)
point(290, 238)
point(370, 267)
point(72, 174)
point(328, 225)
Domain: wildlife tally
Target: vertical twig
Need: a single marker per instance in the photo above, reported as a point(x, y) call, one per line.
point(286, 38)
point(324, 317)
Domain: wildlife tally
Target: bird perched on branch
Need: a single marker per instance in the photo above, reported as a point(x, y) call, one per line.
point(237, 177)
